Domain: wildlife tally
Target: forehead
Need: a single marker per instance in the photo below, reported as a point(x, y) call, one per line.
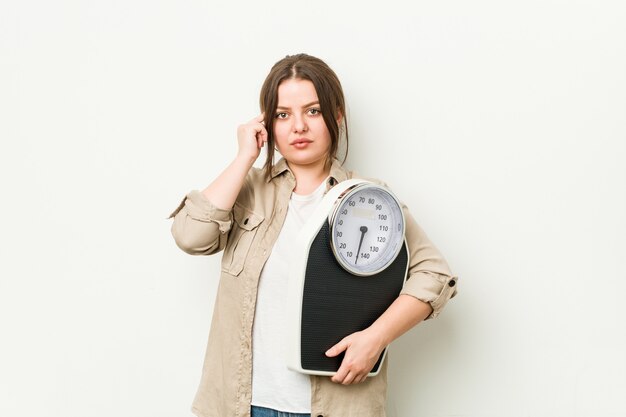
point(295, 92)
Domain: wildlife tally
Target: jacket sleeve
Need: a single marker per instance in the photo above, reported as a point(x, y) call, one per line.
point(200, 227)
point(429, 277)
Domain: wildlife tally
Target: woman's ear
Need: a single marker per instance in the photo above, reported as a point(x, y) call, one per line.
point(339, 117)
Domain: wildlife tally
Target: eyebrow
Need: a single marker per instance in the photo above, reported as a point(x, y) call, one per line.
point(306, 105)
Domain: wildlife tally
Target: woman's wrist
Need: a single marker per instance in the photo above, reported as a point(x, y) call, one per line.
point(245, 159)
point(380, 334)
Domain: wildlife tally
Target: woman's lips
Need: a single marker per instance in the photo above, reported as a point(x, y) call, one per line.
point(301, 143)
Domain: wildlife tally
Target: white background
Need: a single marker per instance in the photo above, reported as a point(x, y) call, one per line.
point(501, 124)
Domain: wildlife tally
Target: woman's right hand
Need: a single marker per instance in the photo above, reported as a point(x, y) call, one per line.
point(251, 136)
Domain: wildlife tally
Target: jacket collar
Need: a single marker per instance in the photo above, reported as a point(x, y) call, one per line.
point(337, 172)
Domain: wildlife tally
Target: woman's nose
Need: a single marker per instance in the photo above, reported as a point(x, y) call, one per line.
point(299, 124)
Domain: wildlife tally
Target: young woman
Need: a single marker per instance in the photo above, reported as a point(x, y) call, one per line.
point(252, 215)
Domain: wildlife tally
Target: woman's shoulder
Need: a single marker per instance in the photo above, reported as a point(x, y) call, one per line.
point(353, 174)
point(341, 172)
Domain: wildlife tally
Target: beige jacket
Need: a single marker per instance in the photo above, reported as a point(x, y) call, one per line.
point(247, 233)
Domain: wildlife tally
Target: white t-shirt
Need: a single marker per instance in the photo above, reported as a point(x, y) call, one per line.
point(273, 384)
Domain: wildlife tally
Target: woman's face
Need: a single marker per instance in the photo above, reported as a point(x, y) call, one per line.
point(300, 133)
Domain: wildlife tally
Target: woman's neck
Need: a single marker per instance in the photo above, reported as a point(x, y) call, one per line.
point(308, 177)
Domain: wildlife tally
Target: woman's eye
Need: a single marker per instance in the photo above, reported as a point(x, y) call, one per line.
point(315, 111)
point(281, 115)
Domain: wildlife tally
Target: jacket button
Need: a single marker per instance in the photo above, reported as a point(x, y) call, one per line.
point(452, 283)
point(245, 221)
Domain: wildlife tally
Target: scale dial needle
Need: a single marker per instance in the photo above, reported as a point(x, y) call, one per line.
point(363, 230)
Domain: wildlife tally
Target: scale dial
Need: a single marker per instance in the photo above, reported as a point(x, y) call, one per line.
point(367, 229)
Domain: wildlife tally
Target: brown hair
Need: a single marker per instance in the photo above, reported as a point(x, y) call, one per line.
point(329, 93)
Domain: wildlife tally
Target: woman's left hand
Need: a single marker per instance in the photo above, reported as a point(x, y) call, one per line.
point(362, 351)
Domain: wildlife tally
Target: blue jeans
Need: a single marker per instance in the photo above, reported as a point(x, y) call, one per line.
point(268, 412)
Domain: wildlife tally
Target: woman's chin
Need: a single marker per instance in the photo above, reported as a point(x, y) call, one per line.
point(302, 158)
